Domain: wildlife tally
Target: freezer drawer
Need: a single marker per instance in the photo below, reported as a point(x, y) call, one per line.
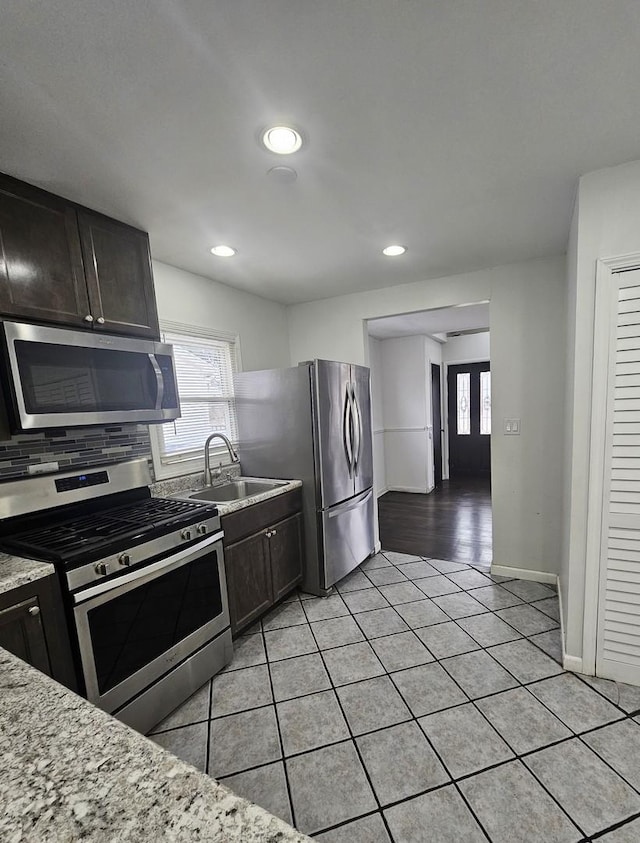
point(347, 535)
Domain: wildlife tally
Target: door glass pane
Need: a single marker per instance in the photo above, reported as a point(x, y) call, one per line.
point(463, 404)
point(485, 403)
point(138, 626)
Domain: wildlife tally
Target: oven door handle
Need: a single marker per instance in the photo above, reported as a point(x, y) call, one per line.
point(147, 570)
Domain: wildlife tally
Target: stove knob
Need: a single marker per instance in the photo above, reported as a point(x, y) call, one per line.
point(185, 535)
point(124, 559)
point(202, 529)
point(102, 569)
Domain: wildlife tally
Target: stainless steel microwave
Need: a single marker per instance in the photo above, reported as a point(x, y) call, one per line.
point(53, 377)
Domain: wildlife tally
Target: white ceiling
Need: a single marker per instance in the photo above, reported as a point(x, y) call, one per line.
point(443, 320)
point(458, 128)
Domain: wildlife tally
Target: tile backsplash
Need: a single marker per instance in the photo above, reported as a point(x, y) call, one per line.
point(75, 447)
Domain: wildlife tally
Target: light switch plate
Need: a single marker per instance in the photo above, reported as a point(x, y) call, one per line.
point(511, 427)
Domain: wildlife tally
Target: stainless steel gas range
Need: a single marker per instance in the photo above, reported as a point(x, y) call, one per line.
point(143, 580)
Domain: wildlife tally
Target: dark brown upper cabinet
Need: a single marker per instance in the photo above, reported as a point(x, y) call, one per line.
point(41, 269)
point(65, 264)
point(118, 272)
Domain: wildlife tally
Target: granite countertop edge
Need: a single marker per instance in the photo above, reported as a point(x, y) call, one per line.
point(70, 771)
point(16, 571)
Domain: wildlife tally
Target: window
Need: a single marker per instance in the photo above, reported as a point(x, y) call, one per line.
point(205, 364)
point(485, 403)
point(463, 404)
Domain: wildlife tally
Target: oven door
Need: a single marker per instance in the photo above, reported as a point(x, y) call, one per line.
point(132, 630)
point(63, 378)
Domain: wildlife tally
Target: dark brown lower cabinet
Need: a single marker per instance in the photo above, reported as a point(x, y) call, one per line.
point(33, 627)
point(265, 566)
point(22, 633)
point(248, 580)
point(285, 551)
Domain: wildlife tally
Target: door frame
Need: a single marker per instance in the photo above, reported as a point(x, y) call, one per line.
point(439, 432)
point(605, 269)
point(445, 408)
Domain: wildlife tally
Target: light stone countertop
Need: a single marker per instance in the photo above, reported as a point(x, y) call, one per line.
point(72, 772)
point(16, 571)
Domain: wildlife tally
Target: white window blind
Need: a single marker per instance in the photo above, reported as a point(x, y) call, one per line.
point(205, 364)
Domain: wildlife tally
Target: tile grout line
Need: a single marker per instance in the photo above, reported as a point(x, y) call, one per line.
point(517, 757)
point(208, 721)
point(484, 649)
point(281, 742)
point(353, 741)
point(389, 674)
point(414, 719)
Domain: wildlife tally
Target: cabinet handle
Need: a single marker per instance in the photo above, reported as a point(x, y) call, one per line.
point(100, 320)
point(88, 318)
point(268, 534)
point(34, 610)
point(273, 532)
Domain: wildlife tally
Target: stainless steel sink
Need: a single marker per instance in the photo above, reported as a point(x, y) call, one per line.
point(236, 490)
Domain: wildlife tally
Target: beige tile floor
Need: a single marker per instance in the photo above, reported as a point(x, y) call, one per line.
point(423, 701)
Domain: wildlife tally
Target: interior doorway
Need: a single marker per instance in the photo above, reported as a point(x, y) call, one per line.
point(425, 508)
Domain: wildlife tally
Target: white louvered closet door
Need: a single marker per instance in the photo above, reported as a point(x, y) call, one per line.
point(618, 637)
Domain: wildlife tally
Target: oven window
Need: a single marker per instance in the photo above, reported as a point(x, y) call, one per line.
point(133, 629)
point(69, 379)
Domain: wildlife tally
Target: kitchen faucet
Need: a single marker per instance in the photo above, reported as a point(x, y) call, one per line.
point(208, 480)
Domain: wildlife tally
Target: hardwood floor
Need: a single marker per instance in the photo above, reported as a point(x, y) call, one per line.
point(452, 522)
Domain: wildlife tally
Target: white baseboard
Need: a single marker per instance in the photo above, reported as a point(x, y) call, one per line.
point(382, 492)
point(414, 489)
point(377, 547)
point(523, 574)
point(572, 663)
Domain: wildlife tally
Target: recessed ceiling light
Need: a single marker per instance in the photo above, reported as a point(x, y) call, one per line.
point(223, 251)
point(282, 139)
point(394, 251)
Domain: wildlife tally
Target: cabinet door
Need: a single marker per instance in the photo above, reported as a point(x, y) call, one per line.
point(285, 547)
point(119, 278)
point(41, 271)
point(22, 634)
point(248, 580)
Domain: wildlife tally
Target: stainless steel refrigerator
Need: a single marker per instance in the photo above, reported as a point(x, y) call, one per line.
point(313, 422)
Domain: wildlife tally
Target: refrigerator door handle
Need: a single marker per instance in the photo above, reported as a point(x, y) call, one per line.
point(347, 425)
point(352, 504)
point(357, 430)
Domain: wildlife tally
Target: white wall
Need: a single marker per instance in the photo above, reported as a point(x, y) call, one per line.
point(527, 376)
point(194, 300)
point(466, 347)
point(375, 364)
point(606, 224)
point(404, 387)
